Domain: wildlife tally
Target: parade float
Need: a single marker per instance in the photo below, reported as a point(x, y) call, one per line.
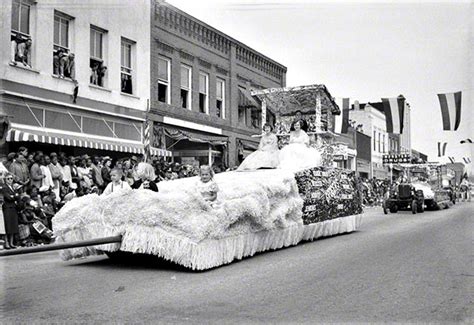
point(258, 210)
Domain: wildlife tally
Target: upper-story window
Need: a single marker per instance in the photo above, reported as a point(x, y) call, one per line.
point(375, 140)
point(383, 143)
point(21, 40)
point(126, 66)
point(204, 92)
point(186, 86)
point(63, 58)
point(164, 80)
point(97, 56)
point(220, 98)
point(379, 142)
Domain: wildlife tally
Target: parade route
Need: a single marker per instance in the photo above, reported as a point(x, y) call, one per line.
point(397, 268)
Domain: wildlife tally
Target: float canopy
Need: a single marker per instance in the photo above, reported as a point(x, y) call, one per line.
point(286, 101)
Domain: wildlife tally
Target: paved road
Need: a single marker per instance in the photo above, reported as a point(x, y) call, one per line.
point(399, 267)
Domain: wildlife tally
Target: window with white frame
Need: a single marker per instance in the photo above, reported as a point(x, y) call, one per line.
point(186, 86)
point(20, 33)
point(126, 66)
point(204, 92)
point(220, 98)
point(379, 141)
point(383, 143)
point(375, 140)
point(164, 79)
point(61, 32)
point(21, 17)
point(97, 54)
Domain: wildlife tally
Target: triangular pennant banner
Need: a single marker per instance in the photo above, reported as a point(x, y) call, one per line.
point(394, 114)
point(442, 149)
point(450, 110)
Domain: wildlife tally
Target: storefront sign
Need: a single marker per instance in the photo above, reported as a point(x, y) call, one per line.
point(396, 159)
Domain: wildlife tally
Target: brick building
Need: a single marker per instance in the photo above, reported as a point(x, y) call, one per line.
point(201, 79)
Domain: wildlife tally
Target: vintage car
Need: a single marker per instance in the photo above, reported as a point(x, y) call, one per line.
point(404, 197)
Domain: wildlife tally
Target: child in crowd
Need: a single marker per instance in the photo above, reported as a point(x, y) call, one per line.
point(207, 186)
point(117, 183)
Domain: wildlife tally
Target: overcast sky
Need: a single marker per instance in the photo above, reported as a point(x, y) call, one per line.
point(363, 50)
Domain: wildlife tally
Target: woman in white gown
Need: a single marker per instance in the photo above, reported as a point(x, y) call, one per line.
point(267, 154)
point(298, 154)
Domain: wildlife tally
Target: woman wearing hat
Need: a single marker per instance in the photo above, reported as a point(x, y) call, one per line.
point(105, 171)
point(10, 214)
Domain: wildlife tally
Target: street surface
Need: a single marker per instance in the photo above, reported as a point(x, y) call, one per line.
point(396, 268)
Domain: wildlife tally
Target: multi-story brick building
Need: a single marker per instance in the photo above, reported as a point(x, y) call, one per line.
point(81, 48)
point(200, 88)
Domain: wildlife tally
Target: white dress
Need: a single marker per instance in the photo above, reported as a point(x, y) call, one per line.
point(265, 157)
point(297, 154)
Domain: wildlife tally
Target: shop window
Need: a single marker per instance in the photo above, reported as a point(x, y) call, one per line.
point(220, 98)
point(256, 118)
point(126, 66)
point(164, 83)
point(203, 93)
point(63, 58)
point(21, 40)
point(97, 53)
point(186, 82)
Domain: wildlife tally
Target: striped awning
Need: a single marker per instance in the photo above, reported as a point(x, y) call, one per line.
point(16, 135)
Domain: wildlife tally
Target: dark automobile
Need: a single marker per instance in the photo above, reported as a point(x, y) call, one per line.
point(404, 197)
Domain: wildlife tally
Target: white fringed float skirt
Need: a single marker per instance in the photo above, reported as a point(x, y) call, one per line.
point(260, 211)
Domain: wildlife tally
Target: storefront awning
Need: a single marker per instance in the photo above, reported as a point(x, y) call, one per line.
point(195, 136)
point(246, 100)
point(249, 145)
point(16, 134)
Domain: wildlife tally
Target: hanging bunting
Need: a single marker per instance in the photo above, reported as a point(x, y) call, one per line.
point(442, 149)
point(394, 114)
point(450, 110)
point(341, 122)
point(466, 141)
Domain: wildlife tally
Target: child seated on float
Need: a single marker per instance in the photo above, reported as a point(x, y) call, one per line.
point(117, 183)
point(207, 186)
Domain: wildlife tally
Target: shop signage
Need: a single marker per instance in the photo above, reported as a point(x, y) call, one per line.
point(396, 159)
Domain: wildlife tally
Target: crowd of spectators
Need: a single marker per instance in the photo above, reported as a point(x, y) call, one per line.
point(36, 185)
point(373, 190)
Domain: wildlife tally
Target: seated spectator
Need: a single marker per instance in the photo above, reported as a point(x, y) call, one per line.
point(78, 192)
point(169, 175)
point(33, 194)
point(23, 52)
point(97, 73)
point(66, 188)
